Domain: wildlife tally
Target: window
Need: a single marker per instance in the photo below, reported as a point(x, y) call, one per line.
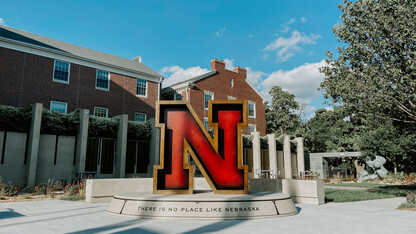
point(231, 98)
point(140, 117)
point(251, 109)
point(206, 123)
point(141, 87)
point(103, 80)
point(61, 71)
point(231, 83)
point(251, 129)
point(208, 96)
point(58, 106)
point(178, 96)
point(100, 112)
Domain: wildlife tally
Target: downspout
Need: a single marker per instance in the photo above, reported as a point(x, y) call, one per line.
point(158, 87)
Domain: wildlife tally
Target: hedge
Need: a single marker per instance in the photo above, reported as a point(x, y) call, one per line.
point(59, 123)
point(15, 119)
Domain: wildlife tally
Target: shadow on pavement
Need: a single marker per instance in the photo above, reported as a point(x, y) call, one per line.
point(10, 213)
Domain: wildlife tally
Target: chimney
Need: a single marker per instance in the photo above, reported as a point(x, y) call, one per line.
point(241, 71)
point(217, 65)
point(138, 59)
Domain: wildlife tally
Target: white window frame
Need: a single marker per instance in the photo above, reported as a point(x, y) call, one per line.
point(66, 106)
point(206, 121)
point(212, 98)
point(248, 109)
point(106, 111)
point(53, 74)
point(147, 86)
point(251, 125)
point(178, 94)
point(145, 117)
point(231, 98)
point(96, 80)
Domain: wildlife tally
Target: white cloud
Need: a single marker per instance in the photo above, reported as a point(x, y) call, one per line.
point(285, 27)
point(229, 64)
point(255, 77)
point(220, 31)
point(329, 108)
point(177, 74)
point(287, 47)
point(2, 22)
point(250, 35)
point(303, 19)
point(302, 81)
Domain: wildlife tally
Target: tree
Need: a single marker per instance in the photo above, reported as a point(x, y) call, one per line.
point(332, 131)
point(395, 142)
point(375, 71)
point(280, 114)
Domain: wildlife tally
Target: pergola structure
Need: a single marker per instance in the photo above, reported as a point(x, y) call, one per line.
point(317, 160)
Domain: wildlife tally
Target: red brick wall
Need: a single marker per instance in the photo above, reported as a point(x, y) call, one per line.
point(220, 85)
point(26, 79)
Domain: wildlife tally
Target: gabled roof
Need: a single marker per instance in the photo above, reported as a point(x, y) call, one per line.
point(39, 42)
point(190, 83)
point(187, 82)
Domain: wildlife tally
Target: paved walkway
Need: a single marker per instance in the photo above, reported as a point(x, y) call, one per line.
point(377, 216)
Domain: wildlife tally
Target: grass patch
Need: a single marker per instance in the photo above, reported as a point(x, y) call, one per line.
point(371, 185)
point(72, 198)
point(407, 205)
point(336, 195)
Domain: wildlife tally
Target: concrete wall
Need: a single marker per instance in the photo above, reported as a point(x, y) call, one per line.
point(305, 191)
point(13, 169)
point(64, 158)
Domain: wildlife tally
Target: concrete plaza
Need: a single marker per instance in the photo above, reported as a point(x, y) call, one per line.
point(56, 216)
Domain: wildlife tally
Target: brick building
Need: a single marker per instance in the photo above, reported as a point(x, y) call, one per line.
point(65, 77)
point(220, 84)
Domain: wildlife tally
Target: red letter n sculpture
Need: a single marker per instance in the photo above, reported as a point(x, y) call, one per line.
point(183, 134)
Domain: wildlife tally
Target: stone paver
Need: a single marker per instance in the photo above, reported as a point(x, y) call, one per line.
point(377, 216)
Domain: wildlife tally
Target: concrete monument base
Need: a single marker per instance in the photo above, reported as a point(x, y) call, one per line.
point(203, 205)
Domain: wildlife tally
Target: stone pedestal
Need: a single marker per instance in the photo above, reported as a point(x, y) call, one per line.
point(205, 206)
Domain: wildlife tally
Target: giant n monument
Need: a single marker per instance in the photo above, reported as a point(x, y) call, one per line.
point(184, 138)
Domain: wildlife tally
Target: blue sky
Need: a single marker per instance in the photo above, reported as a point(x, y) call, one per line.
point(280, 42)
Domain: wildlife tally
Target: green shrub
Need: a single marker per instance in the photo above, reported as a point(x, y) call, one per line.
point(59, 123)
point(407, 205)
point(39, 190)
point(15, 119)
point(8, 189)
point(103, 127)
point(139, 131)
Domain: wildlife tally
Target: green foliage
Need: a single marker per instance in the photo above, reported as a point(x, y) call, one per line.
point(394, 141)
point(60, 123)
point(39, 190)
point(247, 141)
point(139, 131)
point(8, 189)
point(15, 119)
point(103, 127)
point(72, 198)
point(332, 131)
point(375, 71)
point(407, 205)
point(280, 114)
point(73, 189)
point(336, 195)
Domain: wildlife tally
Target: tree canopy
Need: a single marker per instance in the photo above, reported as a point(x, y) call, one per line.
point(280, 113)
point(375, 71)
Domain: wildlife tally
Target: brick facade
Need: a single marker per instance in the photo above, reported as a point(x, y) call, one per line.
point(27, 78)
point(220, 85)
